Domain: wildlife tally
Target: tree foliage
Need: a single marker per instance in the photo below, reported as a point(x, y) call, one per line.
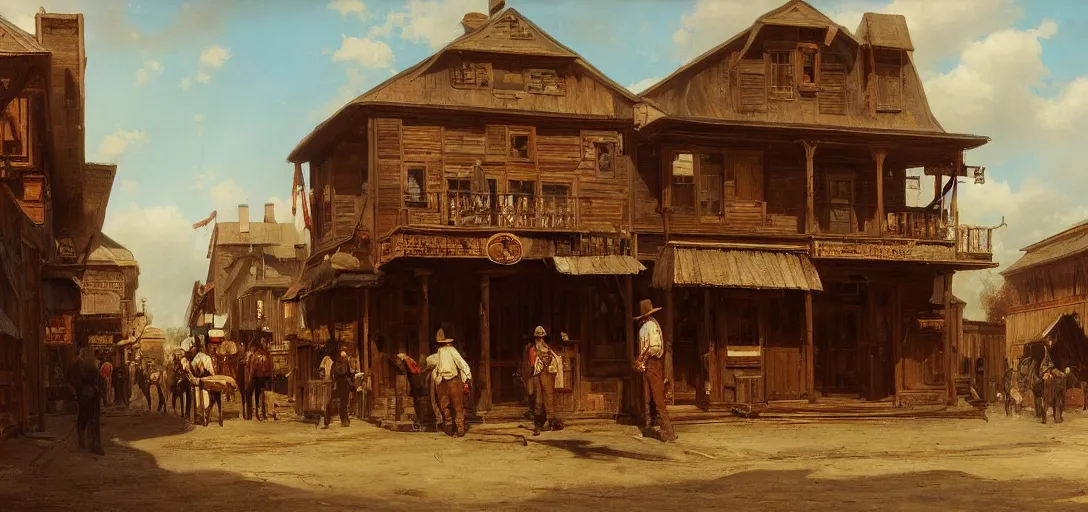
point(997, 298)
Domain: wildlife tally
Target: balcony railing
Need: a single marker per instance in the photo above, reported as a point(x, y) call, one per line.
point(467, 209)
point(975, 240)
point(919, 223)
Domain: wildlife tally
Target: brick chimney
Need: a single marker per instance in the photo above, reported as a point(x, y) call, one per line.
point(269, 213)
point(243, 218)
point(496, 6)
point(473, 21)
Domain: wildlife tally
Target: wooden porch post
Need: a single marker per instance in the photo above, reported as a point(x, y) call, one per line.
point(810, 186)
point(485, 342)
point(629, 315)
point(879, 155)
point(897, 341)
point(669, 343)
point(950, 382)
point(712, 368)
point(810, 356)
point(364, 356)
point(955, 200)
point(424, 314)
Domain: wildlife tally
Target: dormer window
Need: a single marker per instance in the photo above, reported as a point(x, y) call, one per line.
point(889, 80)
point(781, 84)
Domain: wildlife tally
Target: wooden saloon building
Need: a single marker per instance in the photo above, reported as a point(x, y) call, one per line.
point(758, 193)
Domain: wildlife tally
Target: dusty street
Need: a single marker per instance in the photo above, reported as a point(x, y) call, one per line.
point(156, 462)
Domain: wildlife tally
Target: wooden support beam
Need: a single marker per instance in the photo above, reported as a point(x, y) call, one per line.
point(364, 355)
point(899, 336)
point(715, 374)
point(485, 343)
point(950, 382)
point(629, 314)
point(424, 314)
point(878, 156)
point(955, 200)
point(810, 359)
point(670, 318)
point(810, 186)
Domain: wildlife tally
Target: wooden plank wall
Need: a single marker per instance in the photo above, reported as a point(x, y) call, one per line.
point(1022, 326)
point(559, 155)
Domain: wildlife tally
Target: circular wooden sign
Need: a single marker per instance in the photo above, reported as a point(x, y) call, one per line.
point(504, 249)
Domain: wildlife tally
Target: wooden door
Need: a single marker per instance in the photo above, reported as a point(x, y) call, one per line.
point(783, 374)
point(837, 351)
point(687, 361)
point(877, 346)
point(747, 175)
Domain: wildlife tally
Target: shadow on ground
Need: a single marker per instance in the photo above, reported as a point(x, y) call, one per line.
point(65, 478)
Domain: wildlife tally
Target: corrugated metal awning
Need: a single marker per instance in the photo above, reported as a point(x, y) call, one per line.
point(8, 327)
point(723, 267)
point(597, 265)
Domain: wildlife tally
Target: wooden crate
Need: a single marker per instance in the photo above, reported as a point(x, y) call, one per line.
point(317, 395)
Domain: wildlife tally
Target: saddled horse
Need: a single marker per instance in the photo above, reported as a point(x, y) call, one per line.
point(176, 380)
point(1055, 384)
point(257, 378)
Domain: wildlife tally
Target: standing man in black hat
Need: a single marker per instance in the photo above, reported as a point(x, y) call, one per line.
point(651, 364)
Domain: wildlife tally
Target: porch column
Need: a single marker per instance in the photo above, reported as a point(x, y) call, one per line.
point(810, 186)
point(629, 314)
point(955, 200)
point(424, 314)
point(364, 355)
point(712, 368)
point(950, 382)
point(669, 343)
point(810, 359)
point(879, 156)
point(485, 342)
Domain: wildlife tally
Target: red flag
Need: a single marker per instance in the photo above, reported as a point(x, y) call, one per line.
point(299, 189)
point(206, 221)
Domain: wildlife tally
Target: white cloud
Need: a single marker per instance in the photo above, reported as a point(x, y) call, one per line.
point(712, 22)
point(186, 83)
point(435, 22)
point(226, 196)
point(643, 84)
point(203, 77)
point(356, 85)
point(171, 254)
point(114, 145)
point(215, 56)
point(365, 52)
point(128, 186)
point(150, 67)
point(202, 180)
point(355, 7)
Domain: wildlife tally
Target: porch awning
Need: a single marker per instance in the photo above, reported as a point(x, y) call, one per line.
point(597, 265)
point(725, 266)
point(326, 276)
point(7, 326)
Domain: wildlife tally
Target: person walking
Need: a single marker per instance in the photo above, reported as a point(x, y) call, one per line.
point(451, 376)
point(547, 369)
point(87, 384)
point(342, 385)
point(651, 364)
point(106, 370)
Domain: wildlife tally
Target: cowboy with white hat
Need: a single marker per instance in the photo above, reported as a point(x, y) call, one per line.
point(451, 377)
point(651, 363)
point(547, 370)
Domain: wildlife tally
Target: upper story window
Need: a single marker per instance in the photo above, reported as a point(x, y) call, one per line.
point(683, 184)
point(605, 154)
point(521, 144)
point(810, 67)
point(780, 84)
point(415, 186)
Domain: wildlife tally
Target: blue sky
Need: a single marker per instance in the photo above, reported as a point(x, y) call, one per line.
point(260, 75)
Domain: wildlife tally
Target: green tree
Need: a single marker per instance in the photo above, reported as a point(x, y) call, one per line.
point(996, 298)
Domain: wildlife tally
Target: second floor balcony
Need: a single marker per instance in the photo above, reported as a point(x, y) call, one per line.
point(494, 210)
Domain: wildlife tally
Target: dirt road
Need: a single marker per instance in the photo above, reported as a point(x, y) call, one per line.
point(157, 462)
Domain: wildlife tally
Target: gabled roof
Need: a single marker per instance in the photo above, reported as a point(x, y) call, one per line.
point(1071, 242)
point(260, 233)
point(16, 41)
point(482, 40)
point(106, 250)
point(795, 13)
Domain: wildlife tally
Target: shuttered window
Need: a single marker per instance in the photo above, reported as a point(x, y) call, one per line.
point(751, 86)
point(781, 75)
point(889, 88)
point(833, 88)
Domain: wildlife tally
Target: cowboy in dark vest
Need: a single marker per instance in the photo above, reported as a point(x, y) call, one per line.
point(342, 386)
point(651, 364)
point(87, 384)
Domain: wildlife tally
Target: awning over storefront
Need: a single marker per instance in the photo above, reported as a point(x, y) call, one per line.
point(597, 265)
point(7, 326)
point(735, 266)
point(62, 295)
point(339, 271)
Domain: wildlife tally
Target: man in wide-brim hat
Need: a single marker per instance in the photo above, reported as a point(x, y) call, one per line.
point(451, 376)
point(547, 368)
point(651, 363)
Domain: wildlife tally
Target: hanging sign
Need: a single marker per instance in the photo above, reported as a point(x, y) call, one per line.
point(504, 249)
point(59, 330)
point(100, 340)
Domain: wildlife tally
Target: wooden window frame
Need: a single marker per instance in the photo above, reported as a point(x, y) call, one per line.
point(530, 135)
point(672, 184)
point(802, 50)
point(17, 119)
point(459, 68)
point(775, 90)
point(699, 179)
point(611, 173)
point(885, 64)
point(410, 203)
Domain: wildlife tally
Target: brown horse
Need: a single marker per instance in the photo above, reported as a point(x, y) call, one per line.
point(1055, 385)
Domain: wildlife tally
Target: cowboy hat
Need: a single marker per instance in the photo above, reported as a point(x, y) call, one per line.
point(441, 337)
point(646, 308)
point(539, 332)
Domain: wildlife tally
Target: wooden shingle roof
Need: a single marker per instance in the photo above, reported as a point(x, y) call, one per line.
point(16, 41)
point(885, 31)
point(1070, 242)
